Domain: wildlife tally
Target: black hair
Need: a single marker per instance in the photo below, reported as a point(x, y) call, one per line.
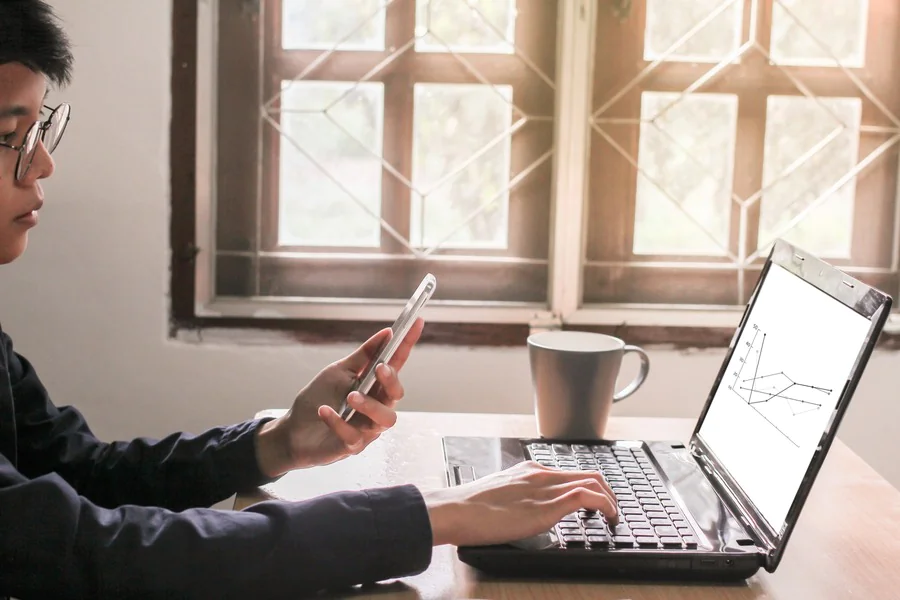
point(30, 35)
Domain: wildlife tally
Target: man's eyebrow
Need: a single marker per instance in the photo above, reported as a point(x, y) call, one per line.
point(13, 111)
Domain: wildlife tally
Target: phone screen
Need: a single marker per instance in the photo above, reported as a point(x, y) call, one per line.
point(398, 332)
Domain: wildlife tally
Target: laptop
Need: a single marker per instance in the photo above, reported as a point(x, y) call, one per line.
point(723, 505)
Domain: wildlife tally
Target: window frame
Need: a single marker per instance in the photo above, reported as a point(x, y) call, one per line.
point(195, 309)
point(616, 274)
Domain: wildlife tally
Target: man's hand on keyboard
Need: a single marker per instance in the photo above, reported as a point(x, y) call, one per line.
point(516, 503)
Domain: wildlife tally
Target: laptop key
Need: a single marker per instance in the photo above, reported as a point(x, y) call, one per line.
point(623, 541)
point(635, 519)
point(655, 514)
point(598, 540)
point(629, 504)
point(665, 531)
point(672, 510)
point(646, 541)
point(661, 522)
point(645, 494)
point(667, 502)
point(677, 522)
point(641, 488)
point(595, 530)
point(645, 502)
point(593, 522)
point(690, 541)
point(621, 529)
point(632, 511)
point(685, 532)
point(670, 542)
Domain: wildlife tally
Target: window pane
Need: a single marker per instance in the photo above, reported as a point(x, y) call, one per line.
point(794, 126)
point(313, 209)
point(839, 31)
point(452, 124)
point(320, 24)
point(695, 220)
point(669, 20)
point(465, 25)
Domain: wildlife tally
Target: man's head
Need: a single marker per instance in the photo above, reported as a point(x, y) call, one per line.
point(34, 53)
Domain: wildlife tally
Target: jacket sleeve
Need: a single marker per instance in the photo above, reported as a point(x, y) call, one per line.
point(177, 472)
point(57, 544)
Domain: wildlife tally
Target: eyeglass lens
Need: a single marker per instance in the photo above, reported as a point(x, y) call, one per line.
point(49, 132)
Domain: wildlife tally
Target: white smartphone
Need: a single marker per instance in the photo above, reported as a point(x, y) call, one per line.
point(398, 332)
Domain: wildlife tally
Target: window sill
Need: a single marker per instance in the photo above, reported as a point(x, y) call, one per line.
point(682, 328)
point(269, 331)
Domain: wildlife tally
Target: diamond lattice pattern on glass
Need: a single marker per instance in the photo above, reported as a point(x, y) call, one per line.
point(685, 158)
point(466, 197)
point(330, 129)
point(817, 33)
point(323, 24)
point(670, 20)
point(465, 26)
point(797, 206)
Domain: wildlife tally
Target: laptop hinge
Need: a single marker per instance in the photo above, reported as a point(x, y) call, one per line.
point(719, 482)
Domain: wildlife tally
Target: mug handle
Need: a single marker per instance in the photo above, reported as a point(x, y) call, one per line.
point(641, 376)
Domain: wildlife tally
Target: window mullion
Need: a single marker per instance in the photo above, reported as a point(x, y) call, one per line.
point(573, 110)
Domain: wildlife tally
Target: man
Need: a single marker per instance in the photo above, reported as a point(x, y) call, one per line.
point(81, 518)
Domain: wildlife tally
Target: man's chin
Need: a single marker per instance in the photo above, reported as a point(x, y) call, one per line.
point(11, 249)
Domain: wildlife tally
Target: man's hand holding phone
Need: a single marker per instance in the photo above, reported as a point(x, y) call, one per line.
point(312, 432)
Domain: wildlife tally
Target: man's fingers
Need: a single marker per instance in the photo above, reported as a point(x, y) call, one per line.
point(350, 435)
point(582, 497)
point(381, 415)
point(553, 476)
point(391, 390)
point(368, 351)
point(406, 346)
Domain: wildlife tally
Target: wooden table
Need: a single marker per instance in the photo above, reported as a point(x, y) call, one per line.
point(846, 544)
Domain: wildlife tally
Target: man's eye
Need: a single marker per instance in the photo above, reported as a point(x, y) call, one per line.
point(7, 138)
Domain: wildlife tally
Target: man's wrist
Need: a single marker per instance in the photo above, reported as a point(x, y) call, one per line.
point(272, 449)
point(441, 513)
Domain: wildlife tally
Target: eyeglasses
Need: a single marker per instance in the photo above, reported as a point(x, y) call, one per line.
point(49, 132)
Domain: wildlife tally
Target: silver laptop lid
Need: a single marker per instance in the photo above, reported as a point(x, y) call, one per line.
point(784, 385)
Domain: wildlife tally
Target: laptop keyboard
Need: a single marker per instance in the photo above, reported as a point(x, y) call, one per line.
point(648, 517)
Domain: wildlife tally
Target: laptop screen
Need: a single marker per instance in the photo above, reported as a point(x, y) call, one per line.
point(783, 382)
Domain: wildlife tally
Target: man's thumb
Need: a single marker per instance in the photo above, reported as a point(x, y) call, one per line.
point(368, 351)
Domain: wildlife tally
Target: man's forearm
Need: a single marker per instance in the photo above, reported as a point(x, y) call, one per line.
point(58, 544)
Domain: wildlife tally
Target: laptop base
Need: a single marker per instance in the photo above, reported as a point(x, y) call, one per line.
point(508, 562)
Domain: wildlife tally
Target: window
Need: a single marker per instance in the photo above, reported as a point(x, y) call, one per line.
point(589, 164)
point(717, 129)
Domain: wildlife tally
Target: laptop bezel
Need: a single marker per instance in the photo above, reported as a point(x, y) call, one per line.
point(871, 303)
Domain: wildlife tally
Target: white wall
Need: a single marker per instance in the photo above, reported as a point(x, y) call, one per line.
point(88, 302)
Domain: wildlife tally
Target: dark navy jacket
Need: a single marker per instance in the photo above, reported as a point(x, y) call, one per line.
point(80, 518)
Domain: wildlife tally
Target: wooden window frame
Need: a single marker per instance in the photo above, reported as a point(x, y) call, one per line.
point(682, 280)
point(191, 318)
